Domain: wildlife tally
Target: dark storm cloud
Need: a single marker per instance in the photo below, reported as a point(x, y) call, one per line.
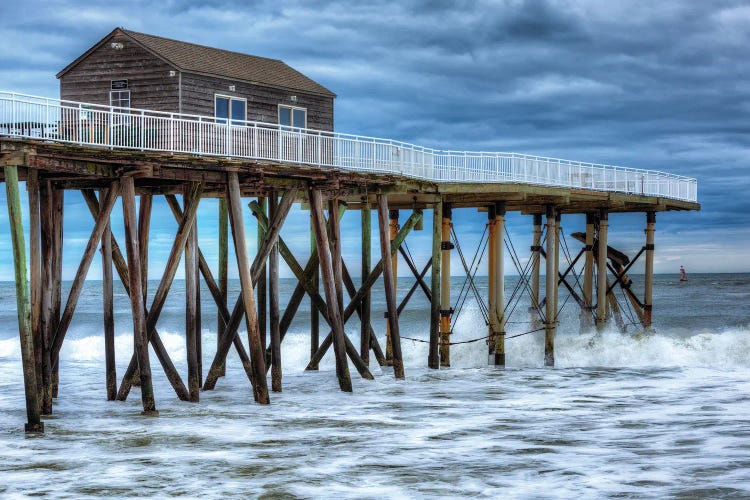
point(657, 85)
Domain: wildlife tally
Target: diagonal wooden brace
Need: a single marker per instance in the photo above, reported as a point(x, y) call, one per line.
point(419, 276)
point(213, 287)
point(160, 297)
point(303, 276)
point(75, 291)
point(232, 323)
point(122, 270)
point(366, 285)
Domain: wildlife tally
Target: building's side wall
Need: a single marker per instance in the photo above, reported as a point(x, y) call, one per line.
point(198, 92)
point(149, 82)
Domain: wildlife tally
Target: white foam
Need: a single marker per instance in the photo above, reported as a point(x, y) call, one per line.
point(727, 348)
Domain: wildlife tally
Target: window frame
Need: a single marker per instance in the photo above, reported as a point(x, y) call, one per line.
point(120, 120)
point(292, 109)
point(229, 118)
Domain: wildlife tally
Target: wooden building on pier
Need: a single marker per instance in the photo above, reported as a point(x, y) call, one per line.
point(127, 69)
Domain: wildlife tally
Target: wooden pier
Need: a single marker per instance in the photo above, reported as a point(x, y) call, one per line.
point(271, 187)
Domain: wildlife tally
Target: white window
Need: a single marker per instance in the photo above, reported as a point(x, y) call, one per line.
point(230, 108)
point(119, 99)
point(120, 102)
point(290, 116)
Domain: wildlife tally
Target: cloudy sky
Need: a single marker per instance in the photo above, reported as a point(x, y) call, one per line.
point(657, 85)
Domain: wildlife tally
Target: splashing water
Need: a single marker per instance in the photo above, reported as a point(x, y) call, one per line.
point(657, 415)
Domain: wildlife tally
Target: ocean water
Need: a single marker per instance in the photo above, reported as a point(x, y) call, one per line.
point(659, 415)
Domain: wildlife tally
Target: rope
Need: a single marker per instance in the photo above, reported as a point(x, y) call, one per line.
point(447, 343)
point(478, 255)
point(472, 340)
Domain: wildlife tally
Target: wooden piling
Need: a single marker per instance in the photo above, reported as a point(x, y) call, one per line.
point(551, 277)
point(558, 226)
point(145, 206)
point(366, 220)
point(261, 285)
point(326, 270)
point(314, 313)
point(334, 238)
point(393, 231)
point(648, 297)
point(498, 284)
point(601, 268)
point(260, 386)
point(588, 274)
point(389, 281)
point(57, 208)
point(35, 269)
point(108, 310)
point(273, 302)
point(536, 260)
point(83, 267)
point(140, 334)
point(47, 319)
point(233, 320)
point(445, 287)
point(160, 296)
point(491, 277)
point(433, 358)
point(223, 272)
point(191, 306)
point(26, 335)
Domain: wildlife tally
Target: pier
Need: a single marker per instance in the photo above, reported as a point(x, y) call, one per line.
point(258, 171)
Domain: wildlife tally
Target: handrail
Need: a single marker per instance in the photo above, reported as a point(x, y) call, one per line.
point(29, 116)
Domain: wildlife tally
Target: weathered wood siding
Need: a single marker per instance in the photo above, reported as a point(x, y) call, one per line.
point(151, 87)
point(198, 93)
point(149, 82)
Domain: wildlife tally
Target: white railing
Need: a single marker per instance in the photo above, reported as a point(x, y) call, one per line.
point(95, 125)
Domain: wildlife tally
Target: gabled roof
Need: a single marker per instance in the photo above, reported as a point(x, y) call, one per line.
point(193, 58)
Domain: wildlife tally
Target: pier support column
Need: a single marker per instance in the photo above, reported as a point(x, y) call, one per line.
point(140, 335)
point(551, 288)
point(648, 297)
point(314, 313)
point(49, 321)
point(261, 285)
point(35, 278)
point(393, 230)
point(191, 306)
point(273, 301)
point(223, 273)
point(257, 354)
point(144, 226)
point(588, 274)
point(108, 313)
point(491, 277)
point(601, 269)
point(558, 225)
point(499, 285)
point(366, 216)
point(28, 360)
point(57, 207)
point(445, 287)
point(389, 281)
point(326, 271)
point(536, 259)
point(433, 359)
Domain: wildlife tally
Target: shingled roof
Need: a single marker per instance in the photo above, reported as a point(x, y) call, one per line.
point(193, 58)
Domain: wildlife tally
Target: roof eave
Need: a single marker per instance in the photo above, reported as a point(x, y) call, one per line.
point(328, 93)
point(101, 42)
